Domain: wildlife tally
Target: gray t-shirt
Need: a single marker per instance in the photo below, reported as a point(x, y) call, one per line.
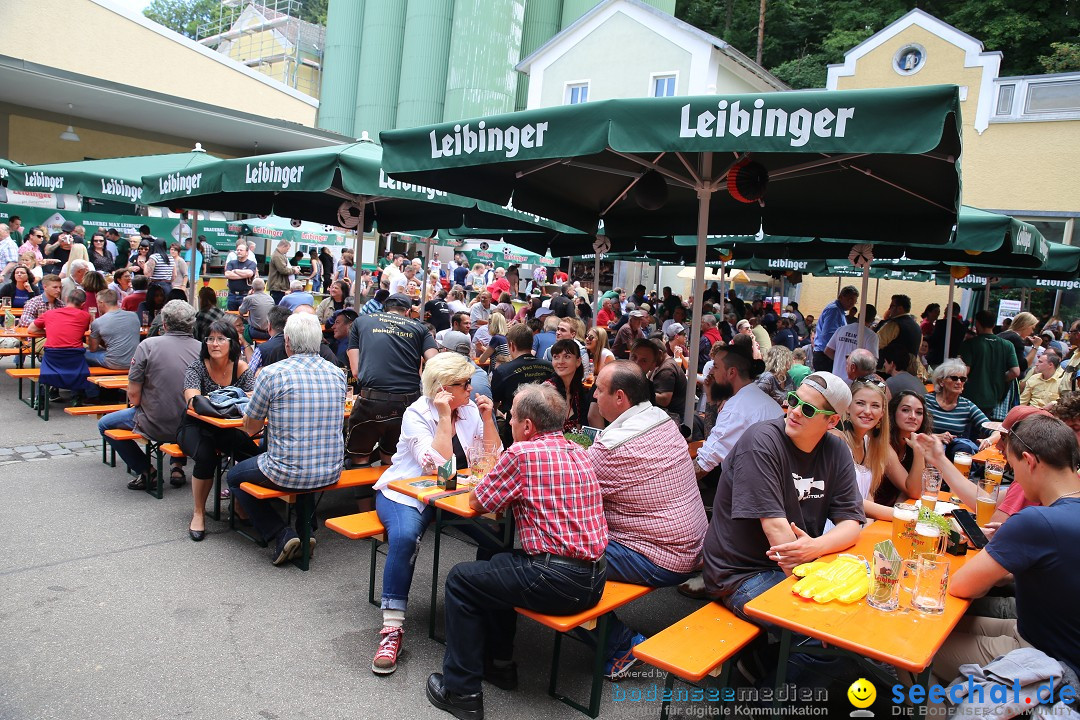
point(766, 476)
point(118, 330)
point(159, 364)
point(257, 307)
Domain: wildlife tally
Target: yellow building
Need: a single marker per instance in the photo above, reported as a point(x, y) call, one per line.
point(129, 86)
point(1021, 135)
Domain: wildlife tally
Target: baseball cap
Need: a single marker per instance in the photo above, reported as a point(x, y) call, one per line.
point(398, 299)
point(349, 314)
point(456, 341)
point(674, 329)
point(638, 313)
point(742, 324)
point(542, 312)
point(1021, 412)
point(646, 308)
point(67, 227)
point(835, 390)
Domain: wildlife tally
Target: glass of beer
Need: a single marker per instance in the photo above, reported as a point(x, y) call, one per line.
point(929, 540)
point(904, 518)
point(994, 471)
point(962, 462)
point(986, 501)
point(931, 486)
point(931, 584)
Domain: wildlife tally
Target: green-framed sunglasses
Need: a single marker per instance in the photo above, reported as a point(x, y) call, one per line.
point(794, 401)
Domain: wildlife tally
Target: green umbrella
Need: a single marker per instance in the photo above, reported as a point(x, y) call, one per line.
point(119, 179)
point(815, 163)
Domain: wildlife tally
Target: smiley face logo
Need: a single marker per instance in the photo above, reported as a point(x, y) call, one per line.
point(862, 693)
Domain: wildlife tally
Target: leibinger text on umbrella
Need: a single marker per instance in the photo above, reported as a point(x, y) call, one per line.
point(176, 182)
point(121, 188)
point(509, 140)
point(389, 184)
point(41, 180)
point(786, 264)
point(268, 172)
point(731, 119)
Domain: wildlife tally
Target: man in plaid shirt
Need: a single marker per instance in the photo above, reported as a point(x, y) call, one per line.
point(303, 400)
point(549, 485)
point(655, 518)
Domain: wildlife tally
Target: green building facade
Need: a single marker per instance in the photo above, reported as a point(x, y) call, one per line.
point(402, 63)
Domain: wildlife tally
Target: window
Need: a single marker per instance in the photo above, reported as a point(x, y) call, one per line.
point(1053, 97)
point(577, 93)
point(663, 86)
point(1005, 100)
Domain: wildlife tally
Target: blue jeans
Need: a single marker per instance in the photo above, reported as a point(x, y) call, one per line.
point(480, 601)
point(961, 445)
point(97, 358)
point(266, 520)
point(405, 526)
point(129, 451)
point(626, 565)
point(234, 301)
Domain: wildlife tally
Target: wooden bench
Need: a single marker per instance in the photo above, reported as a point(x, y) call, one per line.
point(616, 594)
point(305, 506)
point(84, 410)
point(701, 644)
point(154, 452)
point(39, 397)
point(362, 526)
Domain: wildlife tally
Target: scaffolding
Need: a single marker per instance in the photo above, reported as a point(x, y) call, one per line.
point(269, 36)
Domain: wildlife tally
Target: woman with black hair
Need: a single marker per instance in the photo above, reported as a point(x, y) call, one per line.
point(99, 255)
point(155, 300)
point(21, 288)
point(569, 380)
point(904, 466)
point(219, 365)
point(208, 314)
point(160, 267)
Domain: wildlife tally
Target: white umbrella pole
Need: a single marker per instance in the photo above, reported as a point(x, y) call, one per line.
point(986, 297)
point(723, 295)
point(194, 253)
point(948, 320)
point(704, 196)
point(427, 273)
point(862, 305)
point(596, 286)
point(358, 244)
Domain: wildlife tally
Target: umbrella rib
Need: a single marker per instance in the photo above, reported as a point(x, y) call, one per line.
point(901, 188)
point(653, 166)
point(826, 160)
point(543, 166)
point(689, 168)
point(626, 189)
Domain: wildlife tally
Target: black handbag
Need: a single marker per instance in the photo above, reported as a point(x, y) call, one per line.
point(202, 405)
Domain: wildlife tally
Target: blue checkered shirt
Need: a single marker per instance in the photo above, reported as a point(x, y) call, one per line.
point(371, 306)
point(304, 398)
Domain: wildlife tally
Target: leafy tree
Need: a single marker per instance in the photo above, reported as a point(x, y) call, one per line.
point(314, 11)
point(1064, 58)
point(183, 16)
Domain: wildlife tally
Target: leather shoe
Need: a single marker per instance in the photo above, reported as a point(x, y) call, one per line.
point(504, 678)
point(197, 535)
point(464, 707)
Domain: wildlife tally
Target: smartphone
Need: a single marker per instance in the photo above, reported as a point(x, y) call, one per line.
point(967, 523)
point(590, 431)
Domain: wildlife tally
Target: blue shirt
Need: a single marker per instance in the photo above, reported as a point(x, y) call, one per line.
point(198, 261)
point(294, 299)
point(542, 341)
point(832, 318)
point(371, 306)
point(1040, 546)
point(303, 397)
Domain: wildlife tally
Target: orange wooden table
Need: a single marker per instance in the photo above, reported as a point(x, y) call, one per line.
point(904, 638)
point(990, 453)
point(223, 423)
point(110, 382)
point(452, 508)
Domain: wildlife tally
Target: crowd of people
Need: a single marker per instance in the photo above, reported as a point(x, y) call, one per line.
point(806, 431)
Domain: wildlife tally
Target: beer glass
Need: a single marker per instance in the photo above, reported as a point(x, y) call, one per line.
point(931, 485)
point(995, 469)
point(909, 571)
point(904, 517)
point(929, 540)
point(986, 501)
point(884, 592)
point(962, 462)
point(931, 584)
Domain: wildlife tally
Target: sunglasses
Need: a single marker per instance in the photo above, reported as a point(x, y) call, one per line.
point(957, 378)
point(467, 383)
point(1014, 436)
point(809, 411)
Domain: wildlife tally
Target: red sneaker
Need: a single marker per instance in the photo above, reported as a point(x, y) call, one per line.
point(385, 661)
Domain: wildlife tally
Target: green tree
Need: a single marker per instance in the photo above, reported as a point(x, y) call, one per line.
point(183, 16)
point(314, 11)
point(1064, 58)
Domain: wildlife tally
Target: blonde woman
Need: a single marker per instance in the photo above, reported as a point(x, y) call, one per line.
point(434, 428)
point(774, 381)
point(474, 281)
point(497, 349)
point(1023, 325)
point(866, 433)
point(596, 343)
point(78, 252)
point(29, 261)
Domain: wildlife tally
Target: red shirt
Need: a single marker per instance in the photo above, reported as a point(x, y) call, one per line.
point(64, 327)
point(1014, 500)
point(497, 288)
point(131, 302)
point(604, 318)
point(549, 483)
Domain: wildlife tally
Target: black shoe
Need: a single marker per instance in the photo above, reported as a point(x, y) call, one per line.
point(504, 678)
point(197, 535)
point(464, 707)
point(54, 396)
point(144, 480)
point(177, 478)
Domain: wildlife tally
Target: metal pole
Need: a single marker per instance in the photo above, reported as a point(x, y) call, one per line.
point(1057, 303)
point(986, 297)
point(949, 318)
point(427, 273)
point(862, 305)
point(358, 243)
point(192, 277)
point(704, 195)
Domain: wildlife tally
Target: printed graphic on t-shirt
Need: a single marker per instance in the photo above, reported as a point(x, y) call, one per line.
point(808, 488)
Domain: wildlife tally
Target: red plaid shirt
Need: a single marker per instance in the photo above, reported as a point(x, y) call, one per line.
point(550, 485)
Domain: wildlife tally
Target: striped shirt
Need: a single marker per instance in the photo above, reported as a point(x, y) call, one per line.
point(304, 398)
point(965, 420)
point(163, 268)
point(550, 485)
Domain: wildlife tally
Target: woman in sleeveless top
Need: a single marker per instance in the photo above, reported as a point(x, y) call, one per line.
point(907, 416)
point(160, 267)
point(866, 433)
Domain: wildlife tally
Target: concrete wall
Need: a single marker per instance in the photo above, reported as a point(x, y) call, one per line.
point(138, 56)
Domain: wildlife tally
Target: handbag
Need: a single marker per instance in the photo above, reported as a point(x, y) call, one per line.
point(202, 405)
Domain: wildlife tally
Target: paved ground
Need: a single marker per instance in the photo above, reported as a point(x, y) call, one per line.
point(108, 610)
